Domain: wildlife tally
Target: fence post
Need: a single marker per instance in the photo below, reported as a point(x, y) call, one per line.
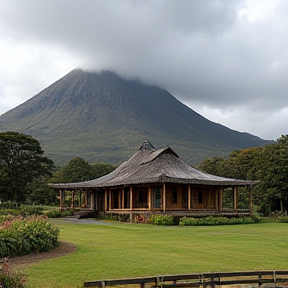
point(274, 279)
point(212, 282)
point(259, 281)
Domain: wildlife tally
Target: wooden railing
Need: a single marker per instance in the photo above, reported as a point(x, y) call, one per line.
point(276, 278)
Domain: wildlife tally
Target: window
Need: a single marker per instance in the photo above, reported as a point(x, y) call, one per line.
point(140, 197)
point(114, 199)
point(126, 197)
point(174, 196)
point(157, 197)
point(200, 197)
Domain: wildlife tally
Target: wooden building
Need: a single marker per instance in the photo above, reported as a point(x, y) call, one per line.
point(156, 181)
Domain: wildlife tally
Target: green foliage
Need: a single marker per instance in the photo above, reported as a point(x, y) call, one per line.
point(267, 164)
point(162, 219)
point(41, 193)
point(56, 213)
point(101, 169)
point(21, 161)
point(8, 277)
point(272, 170)
point(212, 166)
point(12, 208)
point(78, 170)
point(20, 236)
point(9, 205)
point(283, 219)
point(27, 210)
point(212, 221)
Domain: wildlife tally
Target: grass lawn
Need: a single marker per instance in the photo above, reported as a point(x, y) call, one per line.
point(117, 250)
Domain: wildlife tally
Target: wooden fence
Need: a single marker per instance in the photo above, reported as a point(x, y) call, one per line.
point(275, 279)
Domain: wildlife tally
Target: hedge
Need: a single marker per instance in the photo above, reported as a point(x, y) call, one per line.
point(211, 221)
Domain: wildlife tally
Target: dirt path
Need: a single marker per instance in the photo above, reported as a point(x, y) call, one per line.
point(63, 249)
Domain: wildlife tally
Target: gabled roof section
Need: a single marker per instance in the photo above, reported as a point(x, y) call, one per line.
point(148, 165)
point(154, 154)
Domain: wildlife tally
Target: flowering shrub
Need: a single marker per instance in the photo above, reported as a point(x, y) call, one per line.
point(8, 277)
point(142, 218)
point(4, 218)
point(210, 221)
point(20, 236)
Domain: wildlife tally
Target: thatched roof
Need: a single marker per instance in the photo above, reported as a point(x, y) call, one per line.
point(154, 166)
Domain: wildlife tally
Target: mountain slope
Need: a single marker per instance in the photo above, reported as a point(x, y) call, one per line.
point(102, 117)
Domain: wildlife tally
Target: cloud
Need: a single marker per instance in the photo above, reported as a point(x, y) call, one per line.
point(225, 59)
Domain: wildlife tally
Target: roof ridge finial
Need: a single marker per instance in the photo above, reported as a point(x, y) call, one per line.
point(147, 146)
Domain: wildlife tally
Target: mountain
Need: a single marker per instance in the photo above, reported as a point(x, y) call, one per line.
point(104, 118)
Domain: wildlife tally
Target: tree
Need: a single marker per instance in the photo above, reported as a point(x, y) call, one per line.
point(41, 192)
point(212, 166)
point(21, 162)
point(101, 169)
point(240, 163)
point(267, 164)
point(271, 168)
point(78, 170)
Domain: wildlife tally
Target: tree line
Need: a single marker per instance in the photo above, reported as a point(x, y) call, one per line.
point(267, 164)
point(25, 172)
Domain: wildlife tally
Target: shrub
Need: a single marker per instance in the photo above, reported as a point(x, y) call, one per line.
point(283, 219)
point(32, 234)
point(13, 208)
point(4, 218)
point(9, 205)
point(211, 221)
point(8, 277)
point(158, 219)
point(58, 214)
point(26, 210)
point(5, 212)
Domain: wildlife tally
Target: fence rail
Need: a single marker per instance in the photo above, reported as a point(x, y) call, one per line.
point(203, 280)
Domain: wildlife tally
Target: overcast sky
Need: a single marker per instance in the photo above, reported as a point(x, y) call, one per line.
point(227, 60)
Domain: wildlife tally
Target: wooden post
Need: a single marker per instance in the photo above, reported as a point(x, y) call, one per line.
point(110, 199)
point(85, 199)
point(250, 199)
point(119, 198)
point(72, 199)
point(189, 197)
point(61, 200)
point(149, 198)
point(131, 203)
point(96, 201)
point(92, 200)
point(80, 199)
point(164, 197)
point(105, 201)
point(221, 199)
point(123, 197)
point(235, 198)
